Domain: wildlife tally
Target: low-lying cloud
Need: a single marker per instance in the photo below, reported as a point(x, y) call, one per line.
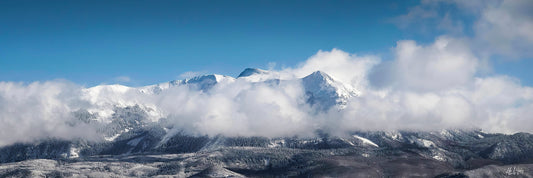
point(425, 87)
point(40, 110)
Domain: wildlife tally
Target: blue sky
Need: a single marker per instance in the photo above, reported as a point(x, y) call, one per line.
point(94, 42)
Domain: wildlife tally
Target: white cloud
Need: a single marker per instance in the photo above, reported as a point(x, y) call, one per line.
point(39, 110)
point(429, 87)
point(347, 68)
point(444, 64)
point(506, 28)
point(426, 87)
point(499, 27)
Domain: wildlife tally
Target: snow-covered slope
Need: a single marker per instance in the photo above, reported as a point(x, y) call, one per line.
point(321, 90)
point(201, 83)
point(325, 92)
point(252, 71)
point(258, 75)
point(109, 103)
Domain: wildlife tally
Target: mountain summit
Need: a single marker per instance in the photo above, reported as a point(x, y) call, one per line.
point(324, 92)
point(251, 71)
point(321, 90)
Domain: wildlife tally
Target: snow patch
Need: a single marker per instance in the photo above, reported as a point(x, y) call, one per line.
point(112, 138)
point(347, 141)
point(74, 152)
point(438, 157)
point(423, 143)
point(366, 141)
point(395, 135)
point(276, 143)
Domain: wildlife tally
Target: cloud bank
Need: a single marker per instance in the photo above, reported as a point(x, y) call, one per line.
point(425, 87)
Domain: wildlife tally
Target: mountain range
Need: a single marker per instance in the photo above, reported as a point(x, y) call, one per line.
point(138, 141)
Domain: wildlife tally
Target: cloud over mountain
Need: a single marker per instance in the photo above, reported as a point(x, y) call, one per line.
point(425, 87)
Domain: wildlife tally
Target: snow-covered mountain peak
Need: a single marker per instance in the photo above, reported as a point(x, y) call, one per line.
point(102, 93)
point(324, 92)
point(258, 75)
point(202, 82)
point(319, 76)
point(252, 71)
point(111, 88)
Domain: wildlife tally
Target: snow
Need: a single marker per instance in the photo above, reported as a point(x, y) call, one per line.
point(446, 133)
point(102, 94)
point(112, 138)
point(204, 82)
point(257, 75)
point(347, 141)
point(423, 142)
point(276, 143)
point(395, 135)
point(366, 141)
point(427, 143)
point(74, 152)
point(251, 71)
point(437, 157)
point(325, 92)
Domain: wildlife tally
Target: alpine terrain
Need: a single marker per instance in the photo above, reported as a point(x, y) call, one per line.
point(137, 139)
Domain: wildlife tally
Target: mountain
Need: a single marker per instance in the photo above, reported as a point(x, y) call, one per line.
point(138, 141)
point(321, 90)
point(252, 71)
point(447, 153)
point(201, 83)
point(112, 104)
point(325, 92)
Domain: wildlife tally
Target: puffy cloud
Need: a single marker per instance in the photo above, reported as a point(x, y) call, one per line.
point(40, 110)
point(503, 104)
point(506, 28)
point(444, 64)
point(238, 109)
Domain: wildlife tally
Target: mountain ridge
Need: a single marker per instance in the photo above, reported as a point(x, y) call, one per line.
point(137, 135)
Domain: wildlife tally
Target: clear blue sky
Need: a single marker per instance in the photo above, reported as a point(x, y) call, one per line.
point(93, 42)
